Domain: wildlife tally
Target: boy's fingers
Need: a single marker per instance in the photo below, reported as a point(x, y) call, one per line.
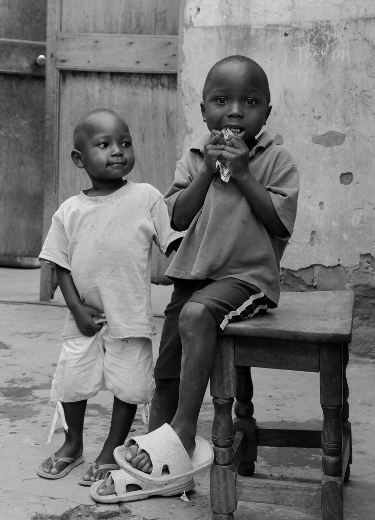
point(95, 312)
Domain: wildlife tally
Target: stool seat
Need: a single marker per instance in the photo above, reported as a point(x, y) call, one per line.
point(321, 316)
point(309, 332)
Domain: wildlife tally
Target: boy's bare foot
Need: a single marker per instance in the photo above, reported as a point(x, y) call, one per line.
point(94, 475)
point(108, 488)
point(67, 450)
point(140, 459)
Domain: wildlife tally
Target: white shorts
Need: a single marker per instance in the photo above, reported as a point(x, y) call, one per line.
point(125, 364)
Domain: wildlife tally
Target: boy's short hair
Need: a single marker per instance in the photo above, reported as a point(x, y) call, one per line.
point(79, 130)
point(238, 58)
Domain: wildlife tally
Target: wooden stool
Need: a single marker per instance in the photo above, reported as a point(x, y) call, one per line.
point(309, 332)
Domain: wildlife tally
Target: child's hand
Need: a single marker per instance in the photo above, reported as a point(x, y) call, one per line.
point(84, 315)
point(213, 150)
point(237, 154)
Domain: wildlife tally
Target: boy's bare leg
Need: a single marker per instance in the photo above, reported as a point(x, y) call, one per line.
point(73, 445)
point(122, 419)
point(198, 332)
point(163, 408)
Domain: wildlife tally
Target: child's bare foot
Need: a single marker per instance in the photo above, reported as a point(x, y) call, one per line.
point(107, 487)
point(96, 473)
point(67, 450)
point(140, 459)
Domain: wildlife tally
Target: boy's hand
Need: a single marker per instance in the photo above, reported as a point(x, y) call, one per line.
point(83, 315)
point(213, 150)
point(237, 154)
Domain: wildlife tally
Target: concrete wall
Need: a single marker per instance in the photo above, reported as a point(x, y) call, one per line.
point(320, 59)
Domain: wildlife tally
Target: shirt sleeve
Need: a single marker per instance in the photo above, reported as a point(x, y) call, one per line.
point(165, 235)
point(283, 187)
point(183, 178)
point(55, 247)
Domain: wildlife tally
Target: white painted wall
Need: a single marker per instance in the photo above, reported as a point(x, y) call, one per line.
point(320, 60)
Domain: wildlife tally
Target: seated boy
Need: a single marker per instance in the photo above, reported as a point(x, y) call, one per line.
point(100, 242)
point(227, 266)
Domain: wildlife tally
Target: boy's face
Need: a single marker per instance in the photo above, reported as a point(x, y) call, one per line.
point(235, 97)
point(105, 149)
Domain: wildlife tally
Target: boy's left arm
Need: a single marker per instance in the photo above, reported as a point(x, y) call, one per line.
point(165, 237)
point(259, 198)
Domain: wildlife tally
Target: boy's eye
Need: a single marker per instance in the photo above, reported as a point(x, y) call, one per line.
point(221, 100)
point(250, 101)
point(102, 145)
point(126, 144)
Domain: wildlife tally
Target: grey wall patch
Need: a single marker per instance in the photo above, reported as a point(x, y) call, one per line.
point(278, 139)
point(346, 178)
point(329, 139)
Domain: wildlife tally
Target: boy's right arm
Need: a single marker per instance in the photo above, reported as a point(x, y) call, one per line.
point(191, 199)
point(82, 313)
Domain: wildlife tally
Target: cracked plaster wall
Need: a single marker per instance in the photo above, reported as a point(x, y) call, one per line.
point(320, 60)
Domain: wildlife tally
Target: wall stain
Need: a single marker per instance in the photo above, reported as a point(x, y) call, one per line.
point(312, 237)
point(278, 139)
point(4, 346)
point(329, 139)
point(360, 278)
point(346, 178)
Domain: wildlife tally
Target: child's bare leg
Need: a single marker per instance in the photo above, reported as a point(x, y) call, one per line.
point(122, 419)
point(163, 408)
point(73, 445)
point(198, 332)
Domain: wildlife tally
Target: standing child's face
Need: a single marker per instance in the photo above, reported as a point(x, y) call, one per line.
point(106, 152)
point(235, 97)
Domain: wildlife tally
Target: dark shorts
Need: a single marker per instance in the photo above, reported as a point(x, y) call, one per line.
point(227, 300)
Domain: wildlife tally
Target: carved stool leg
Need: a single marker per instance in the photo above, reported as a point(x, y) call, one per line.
point(223, 472)
point(245, 421)
point(331, 396)
point(346, 426)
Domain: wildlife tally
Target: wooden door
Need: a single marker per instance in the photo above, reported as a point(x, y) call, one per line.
point(22, 111)
point(117, 54)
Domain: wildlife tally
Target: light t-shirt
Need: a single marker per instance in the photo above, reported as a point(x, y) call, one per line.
point(105, 242)
point(226, 238)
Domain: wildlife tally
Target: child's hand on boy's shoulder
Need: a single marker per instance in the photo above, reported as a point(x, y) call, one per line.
point(237, 154)
point(213, 150)
point(83, 316)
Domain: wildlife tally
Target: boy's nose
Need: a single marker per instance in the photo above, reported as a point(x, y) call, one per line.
point(117, 150)
point(235, 110)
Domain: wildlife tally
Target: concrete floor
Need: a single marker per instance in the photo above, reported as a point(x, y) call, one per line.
point(29, 348)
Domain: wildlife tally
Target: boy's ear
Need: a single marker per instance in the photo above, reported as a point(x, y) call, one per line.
point(203, 111)
point(269, 108)
point(76, 156)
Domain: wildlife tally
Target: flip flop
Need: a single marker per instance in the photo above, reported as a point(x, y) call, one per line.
point(170, 461)
point(95, 468)
point(121, 479)
point(72, 464)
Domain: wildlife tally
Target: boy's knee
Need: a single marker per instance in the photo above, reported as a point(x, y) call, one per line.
point(195, 317)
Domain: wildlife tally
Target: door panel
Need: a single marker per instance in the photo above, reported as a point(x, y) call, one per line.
point(22, 111)
point(146, 101)
point(118, 54)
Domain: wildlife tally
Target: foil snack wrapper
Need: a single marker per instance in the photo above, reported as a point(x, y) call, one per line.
point(222, 164)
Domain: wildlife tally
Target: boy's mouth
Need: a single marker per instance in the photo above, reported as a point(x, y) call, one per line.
point(230, 131)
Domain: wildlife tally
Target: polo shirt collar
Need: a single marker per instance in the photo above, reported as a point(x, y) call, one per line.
point(265, 139)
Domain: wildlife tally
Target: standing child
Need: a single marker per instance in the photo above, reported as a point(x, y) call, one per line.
point(100, 242)
point(235, 192)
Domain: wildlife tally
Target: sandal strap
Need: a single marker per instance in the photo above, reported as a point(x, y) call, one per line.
point(164, 448)
point(95, 466)
point(121, 479)
point(56, 460)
